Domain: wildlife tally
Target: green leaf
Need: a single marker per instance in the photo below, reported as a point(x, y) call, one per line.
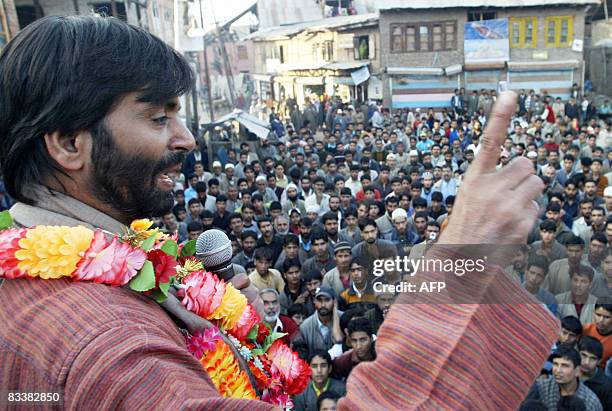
point(257, 351)
point(189, 249)
point(170, 247)
point(164, 287)
point(6, 221)
point(271, 338)
point(148, 243)
point(159, 296)
point(253, 333)
point(145, 280)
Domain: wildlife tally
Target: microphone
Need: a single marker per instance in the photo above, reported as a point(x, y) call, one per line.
point(214, 250)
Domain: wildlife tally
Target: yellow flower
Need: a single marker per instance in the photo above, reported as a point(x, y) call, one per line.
point(231, 307)
point(226, 374)
point(53, 252)
point(141, 225)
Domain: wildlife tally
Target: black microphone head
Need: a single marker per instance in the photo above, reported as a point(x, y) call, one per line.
point(214, 249)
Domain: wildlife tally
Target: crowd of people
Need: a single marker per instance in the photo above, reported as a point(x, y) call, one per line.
point(335, 187)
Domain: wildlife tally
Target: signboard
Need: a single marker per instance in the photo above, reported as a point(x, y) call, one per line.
point(578, 45)
point(486, 41)
point(375, 88)
point(361, 75)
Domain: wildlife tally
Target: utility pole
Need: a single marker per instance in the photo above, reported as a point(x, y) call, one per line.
point(227, 67)
point(114, 8)
point(206, 73)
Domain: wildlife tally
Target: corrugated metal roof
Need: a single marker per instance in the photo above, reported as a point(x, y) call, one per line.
point(260, 128)
point(340, 22)
point(346, 65)
point(431, 4)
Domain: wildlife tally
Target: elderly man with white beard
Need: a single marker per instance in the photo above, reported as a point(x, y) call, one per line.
point(273, 318)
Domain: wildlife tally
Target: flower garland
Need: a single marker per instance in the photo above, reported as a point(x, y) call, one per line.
point(149, 262)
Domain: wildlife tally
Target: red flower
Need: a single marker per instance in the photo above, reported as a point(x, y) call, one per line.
point(164, 265)
point(9, 243)
point(294, 370)
point(262, 332)
point(247, 321)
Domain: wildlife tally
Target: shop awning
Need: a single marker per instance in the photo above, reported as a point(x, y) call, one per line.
point(487, 65)
point(260, 128)
point(351, 65)
point(432, 71)
point(309, 81)
point(454, 69)
point(261, 77)
point(543, 65)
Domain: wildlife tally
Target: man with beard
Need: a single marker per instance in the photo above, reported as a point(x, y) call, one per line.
point(571, 203)
point(281, 226)
point(385, 223)
point(247, 255)
point(292, 200)
point(274, 319)
point(268, 239)
point(94, 117)
point(372, 248)
point(321, 330)
point(330, 226)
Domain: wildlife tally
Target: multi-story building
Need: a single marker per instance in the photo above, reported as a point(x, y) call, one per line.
point(337, 56)
point(9, 24)
point(156, 16)
point(432, 47)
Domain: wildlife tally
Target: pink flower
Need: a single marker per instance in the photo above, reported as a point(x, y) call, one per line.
point(97, 261)
point(294, 370)
point(113, 263)
point(247, 321)
point(9, 243)
point(199, 343)
point(127, 262)
point(203, 293)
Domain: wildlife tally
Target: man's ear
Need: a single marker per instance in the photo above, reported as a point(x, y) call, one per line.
point(69, 151)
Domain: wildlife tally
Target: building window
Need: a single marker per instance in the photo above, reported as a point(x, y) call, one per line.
point(559, 31)
point(282, 51)
point(397, 34)
point(523, 32)
point(361, 47)
point(439, 36)
point(328, 50)
point(480, 15)
point(242, 53)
